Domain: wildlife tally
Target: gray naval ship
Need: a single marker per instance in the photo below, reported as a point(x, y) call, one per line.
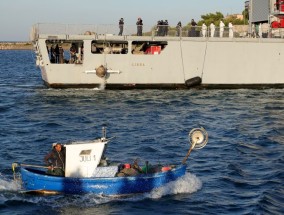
point(162, 57)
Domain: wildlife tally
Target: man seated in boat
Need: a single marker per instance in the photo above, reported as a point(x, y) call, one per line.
point(55, 160)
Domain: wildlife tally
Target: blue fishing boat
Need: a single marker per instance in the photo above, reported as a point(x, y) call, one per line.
point(88, 171)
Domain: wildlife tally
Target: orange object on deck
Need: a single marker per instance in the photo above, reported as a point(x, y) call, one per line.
point(127, 166)
point(166, 168)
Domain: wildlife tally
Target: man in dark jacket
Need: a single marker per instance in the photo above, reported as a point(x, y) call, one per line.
point(55, 161)
point(139, 24)
point(192, 32)
point(121, 24)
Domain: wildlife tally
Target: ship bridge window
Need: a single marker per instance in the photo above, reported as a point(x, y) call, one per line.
point(148, 47)
point(109, 47)
point(65, 51)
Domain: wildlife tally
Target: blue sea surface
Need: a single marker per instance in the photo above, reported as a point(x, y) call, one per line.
point(240, 171)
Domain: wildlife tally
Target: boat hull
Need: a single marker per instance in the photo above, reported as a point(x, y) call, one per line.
point(37, 181)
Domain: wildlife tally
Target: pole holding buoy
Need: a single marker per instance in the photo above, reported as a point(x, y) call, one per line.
point(198, 138)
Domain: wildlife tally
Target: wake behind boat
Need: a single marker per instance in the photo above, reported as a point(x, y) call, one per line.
point(88, 171)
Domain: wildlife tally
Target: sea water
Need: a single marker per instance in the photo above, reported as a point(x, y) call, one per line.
point(240, 171)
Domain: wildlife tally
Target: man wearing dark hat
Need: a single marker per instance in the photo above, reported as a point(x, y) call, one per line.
point(120, 23)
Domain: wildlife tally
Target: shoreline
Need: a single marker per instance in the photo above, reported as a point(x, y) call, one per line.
point(16, 46)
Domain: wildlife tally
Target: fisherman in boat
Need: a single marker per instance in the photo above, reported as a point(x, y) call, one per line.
point(55, 160)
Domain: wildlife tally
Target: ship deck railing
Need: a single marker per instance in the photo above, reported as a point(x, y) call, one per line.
point(240, 31)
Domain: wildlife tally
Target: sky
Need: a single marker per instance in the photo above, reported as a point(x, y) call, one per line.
point(18, 16)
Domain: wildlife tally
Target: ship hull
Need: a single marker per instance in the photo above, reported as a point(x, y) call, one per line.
point(216, 62)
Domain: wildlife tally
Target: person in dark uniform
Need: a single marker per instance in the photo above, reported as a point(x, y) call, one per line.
point(179, 28)
point(159, 27)
point(55, 160)
point(139, 24)
point(166, 23)
point(121, 24)
point(61, 54)
point(52, 54)
point(192, 32)
point(57, 54)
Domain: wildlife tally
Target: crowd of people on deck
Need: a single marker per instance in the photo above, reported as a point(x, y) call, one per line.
point(56, 54)
point(162, 28)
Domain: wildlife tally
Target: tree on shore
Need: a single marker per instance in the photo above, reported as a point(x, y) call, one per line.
point(218, 16)
point(211, 17)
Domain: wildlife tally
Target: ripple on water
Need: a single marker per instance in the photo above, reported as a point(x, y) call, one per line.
point(240, 171)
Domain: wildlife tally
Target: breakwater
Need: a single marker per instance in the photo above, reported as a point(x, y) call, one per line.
point(16, 46)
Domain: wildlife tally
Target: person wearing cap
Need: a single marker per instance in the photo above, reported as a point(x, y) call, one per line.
point(139, 24)
point(121, 24)
point(55, 160)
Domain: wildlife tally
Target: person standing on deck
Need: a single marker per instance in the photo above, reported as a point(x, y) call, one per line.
point(72, 53)
point(179, 28)
point(212, 29)
point(231, 31)
point(222, 25)
point(260, 30)
point(253, 31)
point(166, 28)
point(192, 32)
point(52, 54)
point(61, 54)
point(139, 24)
point(57, 53)
point(121, 24)
point(204, 29)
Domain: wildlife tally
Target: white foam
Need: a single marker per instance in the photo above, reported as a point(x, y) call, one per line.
point(9, 185)
point(102, 85)
point(189, 183)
